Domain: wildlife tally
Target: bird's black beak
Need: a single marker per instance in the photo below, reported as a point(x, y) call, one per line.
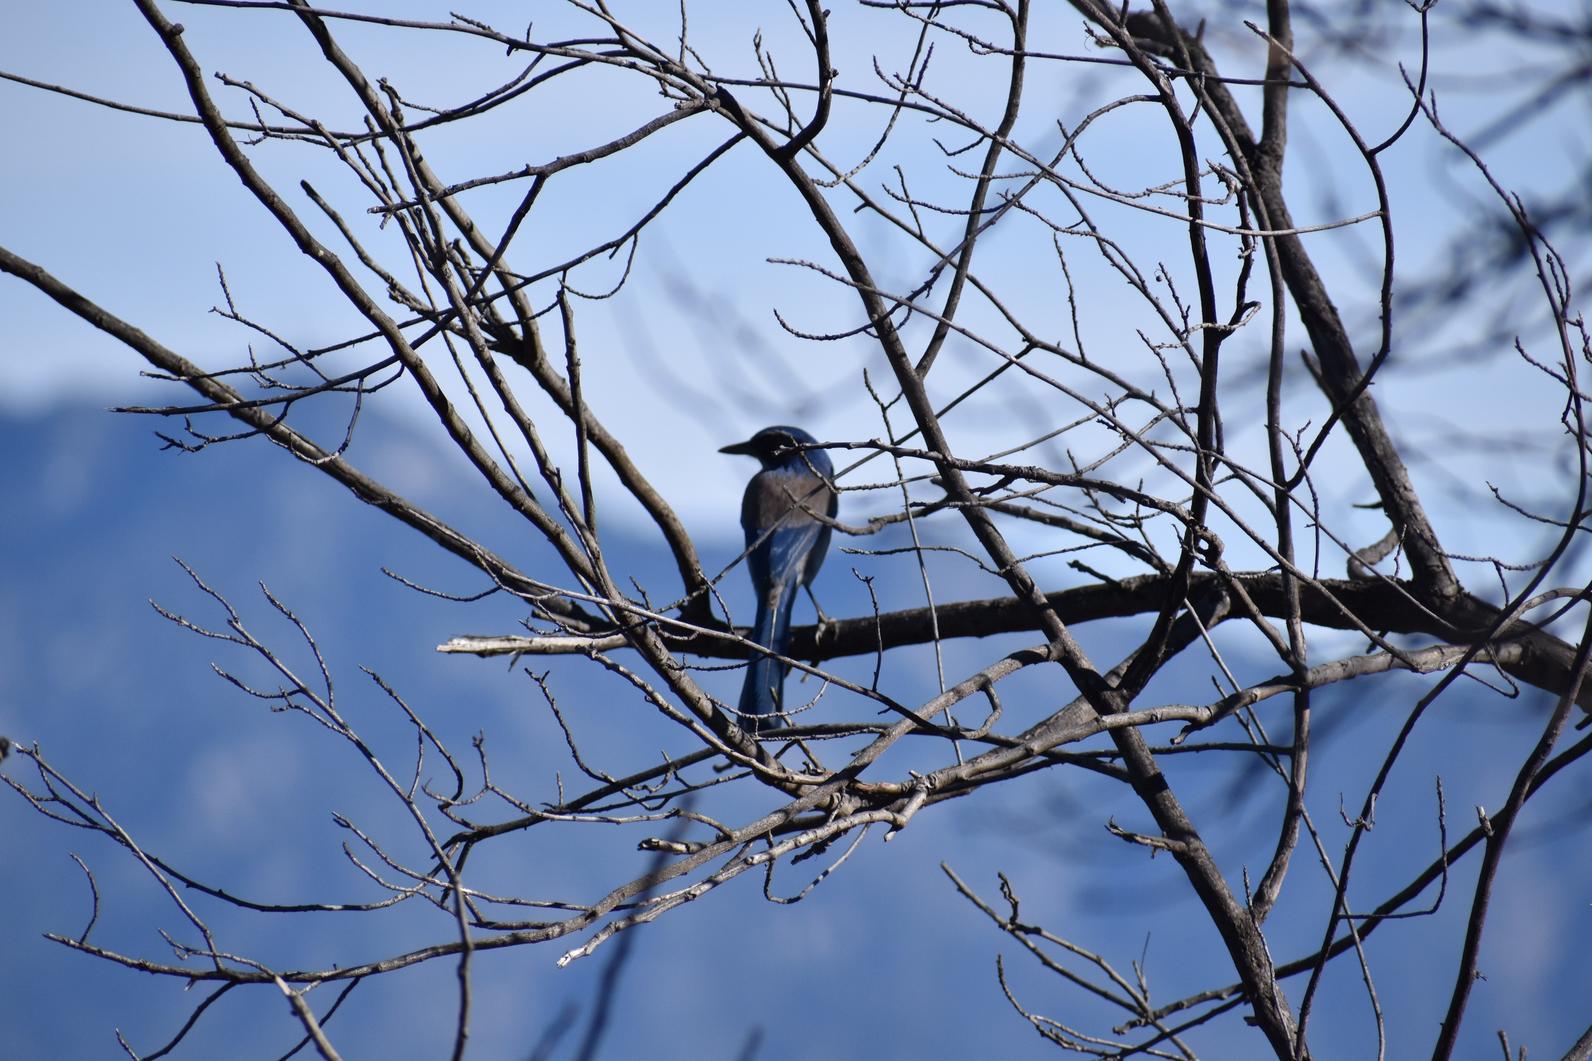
point(742, 448)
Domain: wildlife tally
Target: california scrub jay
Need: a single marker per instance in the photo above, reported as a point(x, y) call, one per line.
point(786, 540)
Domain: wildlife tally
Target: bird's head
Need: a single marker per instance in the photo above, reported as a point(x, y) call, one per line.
point(776, 445)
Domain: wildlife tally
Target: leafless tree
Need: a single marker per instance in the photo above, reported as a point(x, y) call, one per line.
point(1057, 254)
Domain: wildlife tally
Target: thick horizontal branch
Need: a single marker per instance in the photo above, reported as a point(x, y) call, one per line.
point(1537, 658)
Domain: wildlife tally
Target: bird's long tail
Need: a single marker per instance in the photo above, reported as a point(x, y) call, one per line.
point(763, 691)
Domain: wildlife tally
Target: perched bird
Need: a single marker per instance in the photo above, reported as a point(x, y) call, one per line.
point(782, 513)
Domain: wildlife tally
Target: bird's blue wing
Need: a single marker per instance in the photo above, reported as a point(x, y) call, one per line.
point(783, 540)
